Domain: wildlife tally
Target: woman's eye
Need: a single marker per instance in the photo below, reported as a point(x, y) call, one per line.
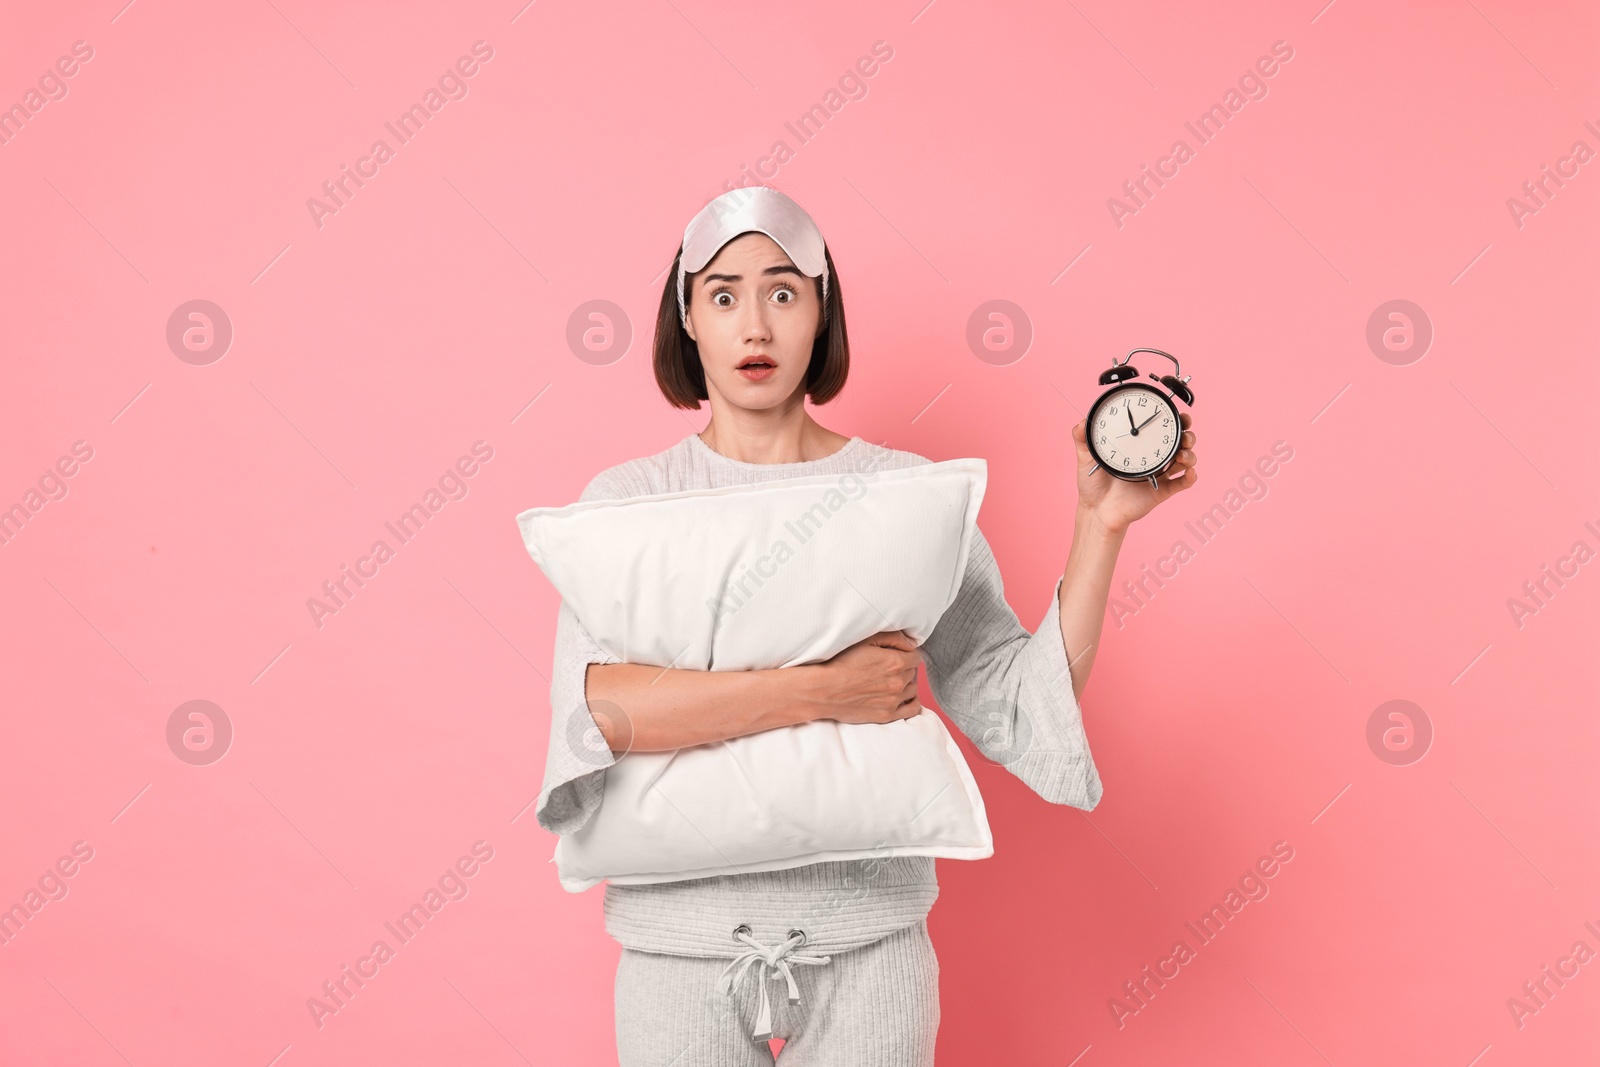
point(790, 293)
point(717, 297)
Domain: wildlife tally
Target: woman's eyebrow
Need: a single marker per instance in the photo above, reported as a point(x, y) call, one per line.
point(784, 268)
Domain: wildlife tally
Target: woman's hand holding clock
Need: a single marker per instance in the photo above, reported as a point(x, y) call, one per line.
point(1115, 503)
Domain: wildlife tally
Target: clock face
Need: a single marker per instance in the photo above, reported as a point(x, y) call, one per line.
point(1133, 430)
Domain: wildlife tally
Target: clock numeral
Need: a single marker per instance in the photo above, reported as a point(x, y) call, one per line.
point(1143, 400)
point(1125, 461)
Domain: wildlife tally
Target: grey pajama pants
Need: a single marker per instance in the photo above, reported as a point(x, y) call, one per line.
point(873, 1006)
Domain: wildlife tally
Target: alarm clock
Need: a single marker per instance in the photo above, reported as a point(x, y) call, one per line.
point(1133, 429)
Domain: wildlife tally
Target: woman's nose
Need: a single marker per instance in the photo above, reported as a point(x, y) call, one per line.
point(754, 326)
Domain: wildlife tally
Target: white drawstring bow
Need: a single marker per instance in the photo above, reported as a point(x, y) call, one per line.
point(778, 957)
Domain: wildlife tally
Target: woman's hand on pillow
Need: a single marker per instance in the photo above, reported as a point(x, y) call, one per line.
point(874, 680)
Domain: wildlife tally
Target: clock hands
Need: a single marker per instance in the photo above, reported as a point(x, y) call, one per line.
point(1134, 430)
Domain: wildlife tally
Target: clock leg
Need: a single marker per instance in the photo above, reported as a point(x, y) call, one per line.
point(1094, 468)
point(1154, 484)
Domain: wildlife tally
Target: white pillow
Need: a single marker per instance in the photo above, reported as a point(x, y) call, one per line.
point(754, 576)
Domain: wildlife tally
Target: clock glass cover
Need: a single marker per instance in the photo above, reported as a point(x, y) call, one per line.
point(1134, 430)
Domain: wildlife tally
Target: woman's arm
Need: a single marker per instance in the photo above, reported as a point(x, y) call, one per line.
point(602, 708)
point(1106, 507)
point(1014, 693)
point(640, 708)
point(1085, 589)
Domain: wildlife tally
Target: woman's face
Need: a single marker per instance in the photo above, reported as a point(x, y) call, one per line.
point(750, 305)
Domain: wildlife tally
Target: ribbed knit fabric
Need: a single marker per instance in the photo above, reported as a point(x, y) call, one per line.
point(876, 1006)
point(1010, 693)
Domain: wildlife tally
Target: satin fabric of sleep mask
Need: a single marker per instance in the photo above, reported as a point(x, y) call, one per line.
point(757, 209)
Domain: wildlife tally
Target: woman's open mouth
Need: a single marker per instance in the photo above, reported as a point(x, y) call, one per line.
point(757, 369)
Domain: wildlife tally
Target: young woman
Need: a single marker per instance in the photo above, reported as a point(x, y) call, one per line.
point(752, 320)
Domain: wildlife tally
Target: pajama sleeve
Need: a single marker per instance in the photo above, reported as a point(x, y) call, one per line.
point(576, 762)
point(1010, 691)
point(575, 765)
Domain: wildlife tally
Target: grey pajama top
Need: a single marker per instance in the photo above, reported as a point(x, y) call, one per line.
point(1009, 691)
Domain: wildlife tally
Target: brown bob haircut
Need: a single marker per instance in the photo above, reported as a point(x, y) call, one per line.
point(681, 376)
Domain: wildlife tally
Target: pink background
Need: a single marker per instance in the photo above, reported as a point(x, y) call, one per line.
point(1229, 712)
